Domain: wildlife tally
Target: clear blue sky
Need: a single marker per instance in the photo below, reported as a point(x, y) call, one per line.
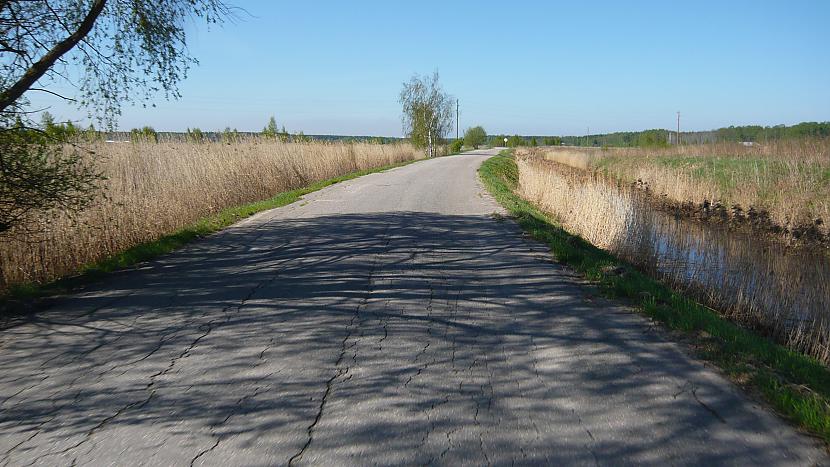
point(527, 67)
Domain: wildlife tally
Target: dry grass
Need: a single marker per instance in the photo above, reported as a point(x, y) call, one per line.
point(785, 294)
point(578, 158)
point(596, 211)
point(790, 180)
point(796, 386)
point(154, 189)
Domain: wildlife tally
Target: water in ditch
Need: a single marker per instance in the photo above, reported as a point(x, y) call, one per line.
point(753, 279)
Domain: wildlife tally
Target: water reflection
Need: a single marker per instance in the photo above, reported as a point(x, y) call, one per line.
point(753, 280)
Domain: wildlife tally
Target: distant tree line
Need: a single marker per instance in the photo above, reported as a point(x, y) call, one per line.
point(517, 140)
point(647, 138)
point(69, 132)
point(662, 137)
point(756, 133)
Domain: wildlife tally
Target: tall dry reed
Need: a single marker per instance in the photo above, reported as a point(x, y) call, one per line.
point(789, 180)
point(764, 285)
point(155, 189)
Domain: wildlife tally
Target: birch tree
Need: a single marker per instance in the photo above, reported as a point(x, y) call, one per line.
point(427, 112)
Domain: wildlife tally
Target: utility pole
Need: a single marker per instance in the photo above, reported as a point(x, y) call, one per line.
point(456, 119)
point(678, 128)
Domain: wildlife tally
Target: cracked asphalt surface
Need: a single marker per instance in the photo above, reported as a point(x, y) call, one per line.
point(391, 319)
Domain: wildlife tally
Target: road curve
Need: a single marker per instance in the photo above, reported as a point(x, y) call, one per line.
point(391, 319)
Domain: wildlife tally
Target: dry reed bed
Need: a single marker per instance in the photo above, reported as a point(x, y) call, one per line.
point(787, 180)
point(786, 296)
point(155, 189)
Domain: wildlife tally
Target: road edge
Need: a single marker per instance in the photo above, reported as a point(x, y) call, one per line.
point(794, 386)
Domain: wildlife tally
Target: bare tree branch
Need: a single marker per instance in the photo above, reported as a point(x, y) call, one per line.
point(53, 93)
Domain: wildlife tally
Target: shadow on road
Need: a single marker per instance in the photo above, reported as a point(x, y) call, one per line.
point(389, 337)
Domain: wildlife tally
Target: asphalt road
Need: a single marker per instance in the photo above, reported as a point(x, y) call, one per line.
point(392, 319)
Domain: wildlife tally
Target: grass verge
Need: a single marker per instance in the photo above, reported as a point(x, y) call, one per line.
point(19, 298)
point(796, 386)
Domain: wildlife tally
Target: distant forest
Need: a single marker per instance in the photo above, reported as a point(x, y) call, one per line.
point(749, 133)
point(197, 135)
point(658, 137)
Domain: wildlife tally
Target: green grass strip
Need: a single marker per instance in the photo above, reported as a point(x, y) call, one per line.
point(795, 385)
point(19, 297)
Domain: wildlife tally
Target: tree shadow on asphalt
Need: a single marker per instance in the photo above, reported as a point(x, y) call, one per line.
point(397, 337)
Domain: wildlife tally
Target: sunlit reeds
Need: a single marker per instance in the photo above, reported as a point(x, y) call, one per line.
point(788, 181)
point(153, 189)
point(761, 284)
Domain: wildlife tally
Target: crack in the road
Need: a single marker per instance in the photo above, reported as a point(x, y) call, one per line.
point(231, 413)
point(80, 375)
point(344, 348)
point(258, 390)
point(207, 328)
point(446, 346)
point(707, 407)
point(36, 431)
point(26, 388)
point(205, 451)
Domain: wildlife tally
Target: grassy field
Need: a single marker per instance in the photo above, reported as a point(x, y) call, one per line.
point(787, 181)
point(797, 386)
point(158, 195)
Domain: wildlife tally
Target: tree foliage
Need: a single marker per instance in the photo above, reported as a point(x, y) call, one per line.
point(646, 138)
point(427, 112)
point(660, 137)
point(110, 52)
point(230, 136)
point(114, 51)
point(146, 134)
point(270, 130)
point(195, 135)
point(515, 141)
point(37, 175)
point(475, 137)
point(58, 131)
point(757, 133)
point(273, 132)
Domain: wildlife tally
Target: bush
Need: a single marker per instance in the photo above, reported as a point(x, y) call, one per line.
point(195, 135)
point(38, 176)
point(58, 132)
point(146, 134)
point(270, 130)
point(496, 141)
point(515, 141)
point(455, 146)
point(475, 137)
point(230, 136)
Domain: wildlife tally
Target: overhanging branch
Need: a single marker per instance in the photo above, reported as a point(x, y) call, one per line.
point(53, 93)
point(39, 68)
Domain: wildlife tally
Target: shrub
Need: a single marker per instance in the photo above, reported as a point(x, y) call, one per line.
point(195, 135)
point(475, 137)
point(515, 141)
point(144, 135)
